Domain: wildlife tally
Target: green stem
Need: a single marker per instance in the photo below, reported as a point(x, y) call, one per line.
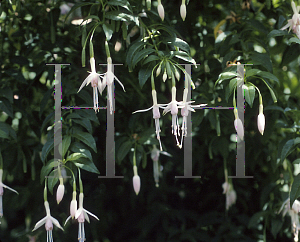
point(80, 182)
point(45, 190)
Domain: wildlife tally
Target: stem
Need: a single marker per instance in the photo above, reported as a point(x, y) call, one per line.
point(80, 182)
point(45, 190)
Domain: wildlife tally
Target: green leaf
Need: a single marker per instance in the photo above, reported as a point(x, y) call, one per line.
point(77, 147)
point(88, 113)
point(45, 100)
point(225, 76)
point(65, 145)
point(295, 190)
point(140, 55)
point(75, 156)
point(48, 146)
point(276, 225)
point(277, 32)
point(52, 180)
point(291, 53)
point(150, 58)
point(271, 90)
point(289, 147)
point(136, 46)
point(262, 74)
point(77, 5)
point(6, 107)
point(294, 40)
point(47, 119)
point(124, 149)
point(124, 30)
point(6, 131)
point(122, 3)
point(7, 93)
point(85, 123)
point(183, 56)
point(108, 31)
point(120, 16)
point(178, 43)
point(262, 59)
point(144, 74)
point(86, 138)
point(87, 165)
point(256, 218)
point(249, 92)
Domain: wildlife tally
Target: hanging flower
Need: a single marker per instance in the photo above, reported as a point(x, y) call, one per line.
point(294, 22)
point(230, 194)
point(261, 120)
point(1, 192)
point(94, 79)
point(48, 221)
point(183, 10)
point(173, 108)
point(136, 180)
point(108, 80)
point(156, 115)
point(186, 107)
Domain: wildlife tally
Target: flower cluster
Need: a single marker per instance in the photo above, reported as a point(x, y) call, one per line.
point(107, 80)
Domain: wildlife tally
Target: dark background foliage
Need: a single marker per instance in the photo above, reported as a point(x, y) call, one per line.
point(34, 33)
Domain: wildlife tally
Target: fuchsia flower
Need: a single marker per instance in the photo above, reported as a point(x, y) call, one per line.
point(156, 115)
point(186, 107)
point(48, 221)
point(261, 120)
point(81, 215)
point(183, 10)
point(108, 80)
point(173, 108)
point(230, 194)
point(160, 10)
point(294, 22)
point(136, 180)
point(60, 193)
point(94, 79)
point(1, 192)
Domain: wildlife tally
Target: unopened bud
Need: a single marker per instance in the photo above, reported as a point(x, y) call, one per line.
point(261, 123)
point(239, 128)
point(177, 75)
point(158, 70)
point(161, 11)
point(60, 193)
point(136, 184)
point(165, 76)
point(148, 3)
point(183, 11)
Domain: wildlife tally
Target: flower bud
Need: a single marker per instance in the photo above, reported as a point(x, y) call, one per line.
point(161, 11)
point(60, 193)
point(165, 75)
point(73, 205)
point(239, 128)
point(261, 123)
point(158, 70)
point(183, 11)
point(177, 75)
point(136, 184)
point(148, 3)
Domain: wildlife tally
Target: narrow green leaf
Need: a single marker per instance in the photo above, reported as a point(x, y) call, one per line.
point(295, 190)
point(87, 165)
point(145, 73)
point(249, 92)
point(65, 145)
point(287, 149)
point(124, 149)
point(48, 146)
point(140, 55)
point(6, 107)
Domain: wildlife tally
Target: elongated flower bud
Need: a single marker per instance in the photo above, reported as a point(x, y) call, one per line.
point(161, 11)
point(136, 181)
point(261, 123)
point(60, 193)
point(165, 76)
point(148, 3)
point(239, 128)
point(183, 11)
point(158, 70)
point(177, 75)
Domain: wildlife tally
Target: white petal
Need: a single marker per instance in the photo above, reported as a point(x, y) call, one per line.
point(56, 223)
point(91, 214)
point(67, 220)
point(143, 110)
point(86, 81)
point(86, 216)
point(40, 223)
point(78, 212)
point(9, 188)
point(120, 83)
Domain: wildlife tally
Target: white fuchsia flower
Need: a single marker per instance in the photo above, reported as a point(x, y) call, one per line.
point(60, 193)
point(94, 79)
point(173, 108)
point(294, 22)
point(48, 221)
point(230, 194)
point(186, 107)
point(108, 80)
point(81, 215)
point(156, 114)
point(2, 191)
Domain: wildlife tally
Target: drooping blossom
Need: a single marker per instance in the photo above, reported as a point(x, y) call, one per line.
point(183, 10)
point(94, 79)
point(60, 193)
point(294, 22)
point(230, 194)
point(261, 120)
point(81, 215)
point(156, 115)
point(108, 80)
point(238, 125)
point(186, 107)
point(136, 181)
point(48, 221)
point(2, 191)
point(173, 108)
point(293, 212)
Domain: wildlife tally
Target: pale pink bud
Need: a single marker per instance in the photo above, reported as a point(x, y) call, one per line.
point(261, 123)
point(177, 75)
point(165, 75)
point(158, 70)
point(60, 193)
point(230, 199)
point(73, 208)
point(225, 186)
point(161, 11)
point(239, 128)
point(183, 11)
point(136, 184)
point(296, 206)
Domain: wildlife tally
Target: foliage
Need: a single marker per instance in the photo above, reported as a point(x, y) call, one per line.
point(215, 34)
